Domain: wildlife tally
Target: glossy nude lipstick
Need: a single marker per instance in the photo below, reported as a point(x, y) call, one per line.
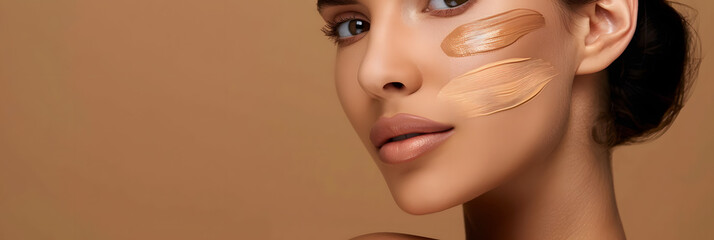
point(405, 137)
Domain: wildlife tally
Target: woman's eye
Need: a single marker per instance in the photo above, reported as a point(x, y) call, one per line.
point(445, 4)
point(352, 28)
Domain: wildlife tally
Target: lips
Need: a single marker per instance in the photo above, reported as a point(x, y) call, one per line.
point(405, 137)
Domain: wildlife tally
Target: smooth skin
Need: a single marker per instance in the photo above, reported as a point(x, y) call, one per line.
point(532, 172)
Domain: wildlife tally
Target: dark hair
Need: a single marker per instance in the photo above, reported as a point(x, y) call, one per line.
point(649, 82)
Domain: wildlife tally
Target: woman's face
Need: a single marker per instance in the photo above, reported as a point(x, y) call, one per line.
point(452, 98)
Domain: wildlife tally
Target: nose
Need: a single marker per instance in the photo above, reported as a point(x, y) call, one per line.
point(387, 69)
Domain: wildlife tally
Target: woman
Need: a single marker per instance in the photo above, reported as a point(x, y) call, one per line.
point(511, 108)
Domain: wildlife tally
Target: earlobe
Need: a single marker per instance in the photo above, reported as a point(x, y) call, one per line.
point(611, 26)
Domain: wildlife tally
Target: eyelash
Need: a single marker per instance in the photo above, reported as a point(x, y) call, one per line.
point(330, 29)
point(451, 11)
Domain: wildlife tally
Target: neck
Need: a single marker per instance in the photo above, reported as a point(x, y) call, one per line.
point(569, 195)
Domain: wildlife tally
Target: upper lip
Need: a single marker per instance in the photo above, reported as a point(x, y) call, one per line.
point(401, 124)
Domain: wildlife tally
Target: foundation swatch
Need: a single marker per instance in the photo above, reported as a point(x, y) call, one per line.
point(499, 86)
point(491, 33)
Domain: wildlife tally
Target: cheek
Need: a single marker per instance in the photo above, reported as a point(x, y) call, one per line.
point(492, 33)
point(499, 86)
point(514, 110)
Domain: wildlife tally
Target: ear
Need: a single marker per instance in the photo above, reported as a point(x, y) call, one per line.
point(611, 26)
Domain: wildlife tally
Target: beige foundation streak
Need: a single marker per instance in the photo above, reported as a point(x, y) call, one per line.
point(491, 33)
point(499, 86)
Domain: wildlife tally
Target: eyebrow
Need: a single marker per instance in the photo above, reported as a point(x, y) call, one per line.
point(325, 3)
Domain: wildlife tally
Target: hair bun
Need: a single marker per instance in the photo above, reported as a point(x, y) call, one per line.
point(649, 81)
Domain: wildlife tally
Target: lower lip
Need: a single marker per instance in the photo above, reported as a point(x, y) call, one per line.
point(410, 149)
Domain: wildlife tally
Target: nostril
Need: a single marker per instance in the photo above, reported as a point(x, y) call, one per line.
point(394, 86)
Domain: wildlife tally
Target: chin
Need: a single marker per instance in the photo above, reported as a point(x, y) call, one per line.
point(425, 201)
point(422, 205)
point(420, 195)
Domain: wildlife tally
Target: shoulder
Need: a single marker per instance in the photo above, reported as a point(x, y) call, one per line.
point(389, 236)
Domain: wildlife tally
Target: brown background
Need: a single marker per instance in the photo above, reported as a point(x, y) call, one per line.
point(217, 119)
